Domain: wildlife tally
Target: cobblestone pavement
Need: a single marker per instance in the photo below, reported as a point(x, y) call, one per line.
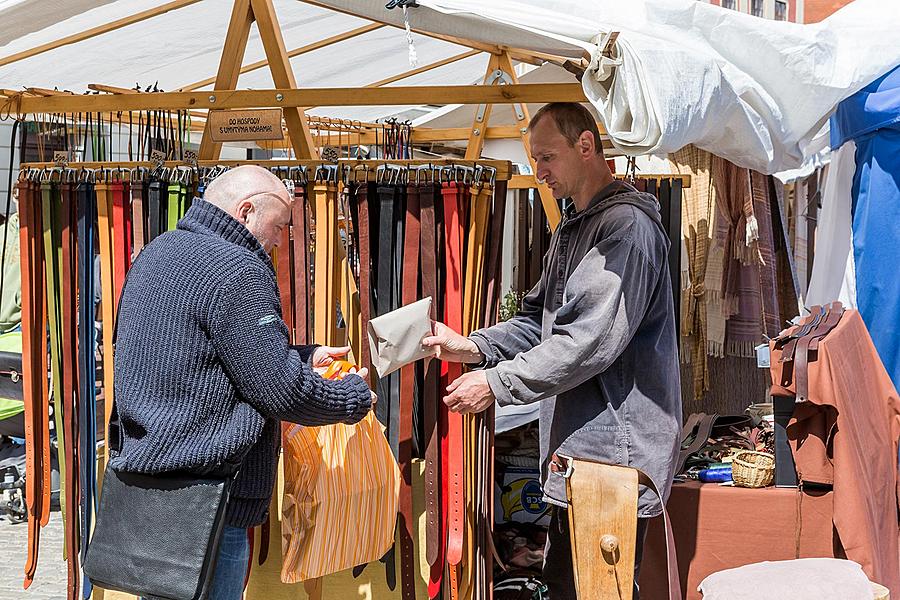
point(50, 577)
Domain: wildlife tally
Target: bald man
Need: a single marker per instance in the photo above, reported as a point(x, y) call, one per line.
point(204, 372)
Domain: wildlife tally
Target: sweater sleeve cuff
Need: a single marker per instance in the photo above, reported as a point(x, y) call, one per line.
point(361, 403)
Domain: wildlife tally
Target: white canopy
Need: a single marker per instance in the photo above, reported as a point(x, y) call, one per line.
point(751, 90)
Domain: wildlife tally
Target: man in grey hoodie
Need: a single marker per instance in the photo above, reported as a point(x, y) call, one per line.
point(595, 339)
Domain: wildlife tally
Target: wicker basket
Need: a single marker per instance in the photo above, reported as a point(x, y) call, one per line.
point(753, 469)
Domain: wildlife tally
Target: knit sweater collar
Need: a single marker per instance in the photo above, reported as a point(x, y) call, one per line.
point(207, 219)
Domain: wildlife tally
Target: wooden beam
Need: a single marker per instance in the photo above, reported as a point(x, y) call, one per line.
point(482, 116)
point(111, 89)
point(283, 76)
point(95, 31)
point(551, 207)
point(292, 53)
point(424, 68)
point(381, 96)
point(229, 65)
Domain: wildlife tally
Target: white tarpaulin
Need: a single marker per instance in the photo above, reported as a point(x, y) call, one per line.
point(751, 90)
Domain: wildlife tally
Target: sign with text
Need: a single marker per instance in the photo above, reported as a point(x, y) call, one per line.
point(245, 125)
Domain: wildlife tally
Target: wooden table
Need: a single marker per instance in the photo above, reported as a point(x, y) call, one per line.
point(717, 527)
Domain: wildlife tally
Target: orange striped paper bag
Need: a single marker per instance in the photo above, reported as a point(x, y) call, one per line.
point(340, 498)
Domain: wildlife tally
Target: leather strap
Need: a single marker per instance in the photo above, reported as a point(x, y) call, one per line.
point(360, 199)
point(811, 342)
point(156, 196)
point(31, 386)
point(326, 223)
point(386, 411)
point(455, 497)
point(173, 205)
point(410, 281)
point(430, 396)
point(51, 234)
point(700, 426)
point(593, 502)
point(120, 240)
point(300, 231)
point(284, 275)
point(138, 215)
point(69, 400)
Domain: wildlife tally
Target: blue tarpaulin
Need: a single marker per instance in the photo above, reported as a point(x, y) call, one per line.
point(871, 118)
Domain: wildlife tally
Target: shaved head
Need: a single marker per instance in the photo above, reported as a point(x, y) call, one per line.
point(256, 198)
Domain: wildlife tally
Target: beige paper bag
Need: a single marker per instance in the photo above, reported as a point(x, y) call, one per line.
point(395, 338)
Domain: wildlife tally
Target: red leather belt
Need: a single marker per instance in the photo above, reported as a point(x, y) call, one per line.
point(455, 492)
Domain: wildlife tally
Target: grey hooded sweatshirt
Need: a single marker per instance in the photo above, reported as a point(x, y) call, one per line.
point(595, 343)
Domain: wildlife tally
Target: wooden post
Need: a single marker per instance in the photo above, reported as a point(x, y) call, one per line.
point(551, 207)
point(244, 13)
point(480, 122)
point(229, 66)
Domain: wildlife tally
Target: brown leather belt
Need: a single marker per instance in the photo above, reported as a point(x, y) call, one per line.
point(300, 232)
point(69, 401)
point(430, 396)
point(409, 294)
point(32, 299)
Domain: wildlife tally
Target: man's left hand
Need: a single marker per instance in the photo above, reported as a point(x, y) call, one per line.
point(469, 393)
point(325, 355)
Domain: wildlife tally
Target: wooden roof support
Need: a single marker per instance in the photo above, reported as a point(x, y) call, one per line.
point(292, 53)
point(283, 76)
point(551, 207)
point(245, 12)
point(95, 31)
point(482, 115)
point(380, 96)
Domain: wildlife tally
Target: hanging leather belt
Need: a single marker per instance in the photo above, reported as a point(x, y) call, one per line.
point(156, 197)
point(284, 274)
point(120, 239)
point(50, 219)
point(138, 216)
point(410, 281)
point(173, 205)
point(360, 199)
point(87, 460)
point(32, 291)
point(300, 227)
point(455, 492)
point(48, 318)
point(69, 400)
point(385, 301)
point(430, 395)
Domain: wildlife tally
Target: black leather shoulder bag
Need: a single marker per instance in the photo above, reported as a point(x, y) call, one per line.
point(157, 536)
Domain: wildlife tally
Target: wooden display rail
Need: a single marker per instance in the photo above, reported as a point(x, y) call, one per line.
point(503, 167)
point(525, 182)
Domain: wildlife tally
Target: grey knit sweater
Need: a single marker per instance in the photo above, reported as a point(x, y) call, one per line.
point(203, 369)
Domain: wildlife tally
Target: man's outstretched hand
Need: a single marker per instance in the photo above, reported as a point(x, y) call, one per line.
point(452, 346)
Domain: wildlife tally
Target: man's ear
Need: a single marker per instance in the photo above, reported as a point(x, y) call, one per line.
point(586, 143)
point(243, 210)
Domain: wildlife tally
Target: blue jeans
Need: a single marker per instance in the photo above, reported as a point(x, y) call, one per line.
point(231, 565)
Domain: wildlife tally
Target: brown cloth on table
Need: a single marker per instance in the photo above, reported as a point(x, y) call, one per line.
point(717, 527)
point(846, 434)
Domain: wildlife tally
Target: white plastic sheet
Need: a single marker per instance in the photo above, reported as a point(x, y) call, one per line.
point(751, 90)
